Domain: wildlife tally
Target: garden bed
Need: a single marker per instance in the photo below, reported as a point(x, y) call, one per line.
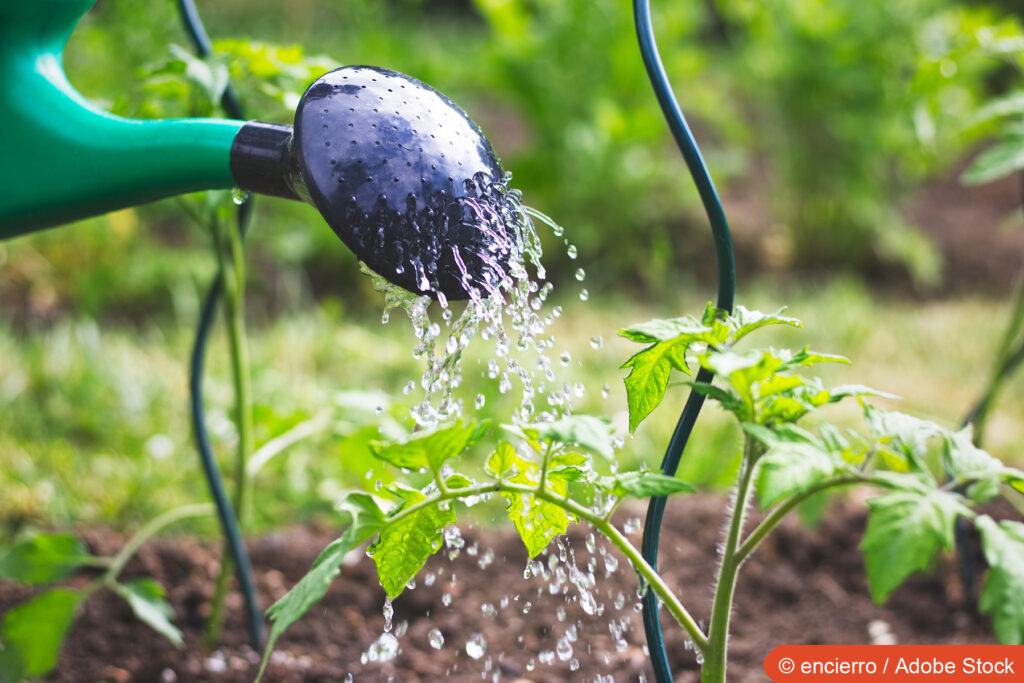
point(802, 586)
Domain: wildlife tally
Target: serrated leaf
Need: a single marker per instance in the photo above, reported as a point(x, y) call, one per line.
point(33, 632)
point(458, 481)
point(364, 519)
point(1003, 594)
point(405, 544)
point(745, 321)
point(729, 400)
point(428, 450)
point(43, 558)
point(146, 597)
point(791, 468)
point(964, 460)
point(847, 390)
point(904, 531)
point(648, 377)
point(506, 464)
point(570, 466)
point(659, 329)
point(586, 431)
point(805, 358)
point(538, 521)
point(909, 434)
point(779, 434)
point(643, 485)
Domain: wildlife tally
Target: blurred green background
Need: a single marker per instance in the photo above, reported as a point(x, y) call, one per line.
point(825, 124)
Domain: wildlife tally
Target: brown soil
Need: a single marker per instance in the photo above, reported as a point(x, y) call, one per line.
point(803, 586)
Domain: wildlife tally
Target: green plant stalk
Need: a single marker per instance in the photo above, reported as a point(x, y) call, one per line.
point(601, 524)
point(231, 262)
point(777, 514)
point(118, 562)
point(1007, 360)
point(713, 669)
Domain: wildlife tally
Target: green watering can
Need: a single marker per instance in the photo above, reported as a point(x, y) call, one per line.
point(399, 171)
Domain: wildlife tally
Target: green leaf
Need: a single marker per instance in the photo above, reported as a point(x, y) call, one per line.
point(964, 460)
point(570, 466)
point(904, 531)
point(586, 431)
point(505, 463)
point(847, 390)
point(805, 358)
point(33, 632)
point(729, 400)
point(745, 321)
point(364, 519)
point(791, 468)
point(458, 481)
point(648, 378)
point(1003, 594)
point(147, 600)
point(538, 521)
point(779, 434)
point(643, 485)
point(430, 449)
point(1002, 159)
point(43, 558)
point(407, 542)
point(909, 434)
point(658, 330)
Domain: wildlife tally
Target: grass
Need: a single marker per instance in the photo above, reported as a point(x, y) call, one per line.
point(94, 427)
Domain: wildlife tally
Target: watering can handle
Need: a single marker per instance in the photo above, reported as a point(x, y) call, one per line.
point(65, 159)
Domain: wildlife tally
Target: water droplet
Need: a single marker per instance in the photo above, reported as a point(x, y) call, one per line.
point(565, 358)
point(547, 657)
point(587, 602)
point(476, 646)
point(446, 599)
point(239, 196)
point(479, 402)
point(384, 649)
point(580, 274)
point(596, 342)
point(489, 610)
point(584, 294)
point(605, 391)
point(632, 525)
point(389, 612)
point(563, 649)
point(571, 251)
point(409, 386)
point(436, 638)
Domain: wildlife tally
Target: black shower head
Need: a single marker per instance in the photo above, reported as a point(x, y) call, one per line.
point(400, 173)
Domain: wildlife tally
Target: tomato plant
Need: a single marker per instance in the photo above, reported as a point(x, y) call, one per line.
point(925, 476)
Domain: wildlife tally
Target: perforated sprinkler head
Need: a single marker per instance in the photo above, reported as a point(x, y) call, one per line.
point(400, 173)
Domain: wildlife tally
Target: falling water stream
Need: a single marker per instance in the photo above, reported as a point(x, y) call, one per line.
point(510, 311)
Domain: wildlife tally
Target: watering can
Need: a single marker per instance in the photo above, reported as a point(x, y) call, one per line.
point(398, 171)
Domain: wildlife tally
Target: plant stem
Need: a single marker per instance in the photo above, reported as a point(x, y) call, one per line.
point(117, 563)
point(602, 525)
point(769, 523)
point(713, 670)
point(1008, 357)
point(635, 557)
point(231, 262)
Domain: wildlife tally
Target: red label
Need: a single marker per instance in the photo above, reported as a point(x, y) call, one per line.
point(911, 663)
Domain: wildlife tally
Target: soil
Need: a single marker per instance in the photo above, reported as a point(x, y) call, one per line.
point(803, 586)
